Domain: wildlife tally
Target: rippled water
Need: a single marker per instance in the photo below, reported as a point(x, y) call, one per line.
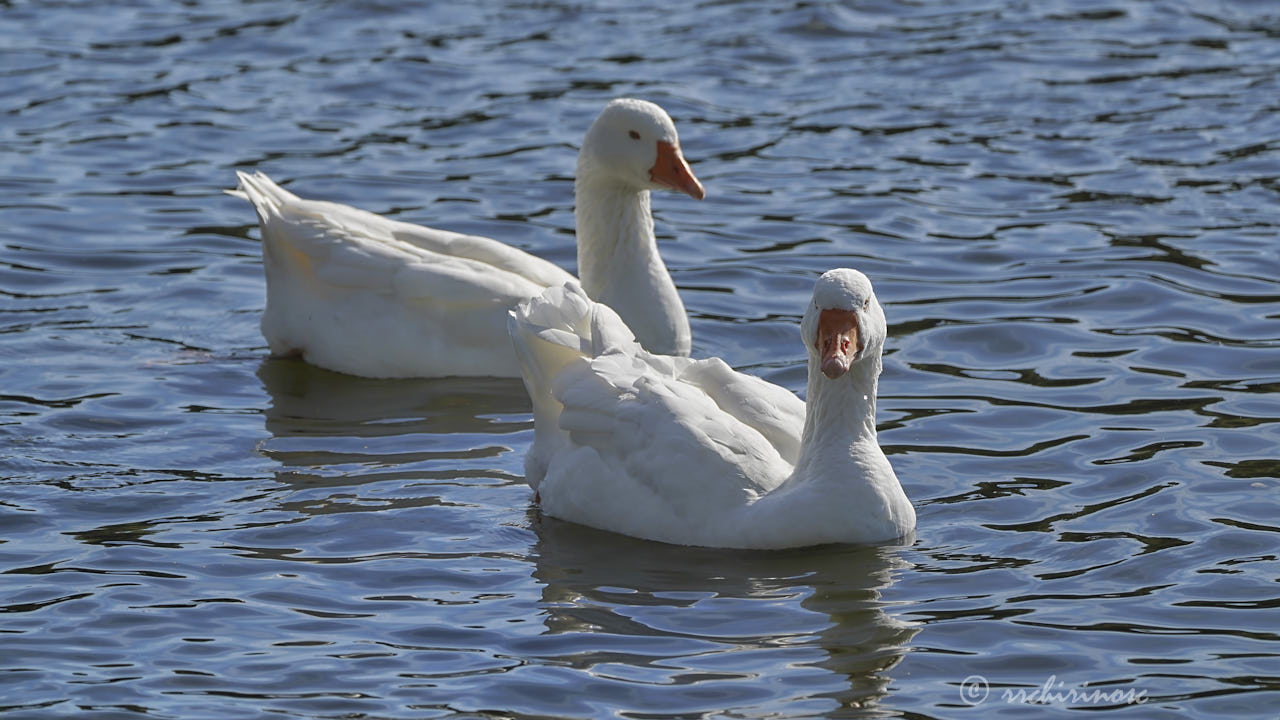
point(1069, 210)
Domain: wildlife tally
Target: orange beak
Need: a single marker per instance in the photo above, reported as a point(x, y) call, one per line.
point(671, 171)
point(839, 341)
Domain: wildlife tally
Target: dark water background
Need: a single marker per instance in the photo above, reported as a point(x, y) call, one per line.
point(1070, 211)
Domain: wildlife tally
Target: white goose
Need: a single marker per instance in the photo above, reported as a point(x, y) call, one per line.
point(352, 291)
point(691, 452)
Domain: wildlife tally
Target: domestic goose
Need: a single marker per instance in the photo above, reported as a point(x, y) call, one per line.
point(691, 452)
point(355, 292)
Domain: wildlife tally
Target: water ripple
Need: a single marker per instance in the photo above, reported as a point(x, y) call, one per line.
point(1068, 212)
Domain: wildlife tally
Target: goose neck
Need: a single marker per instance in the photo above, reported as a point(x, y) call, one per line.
point(840, 415)
point(615, 231)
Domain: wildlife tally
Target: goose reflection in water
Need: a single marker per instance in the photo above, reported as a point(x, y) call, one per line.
point(331, 430)
point(672, 617)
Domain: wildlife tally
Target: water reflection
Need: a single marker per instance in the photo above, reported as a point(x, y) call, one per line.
point(384, 429)
point(669, 616)
point(309, 401)
point(407, 463)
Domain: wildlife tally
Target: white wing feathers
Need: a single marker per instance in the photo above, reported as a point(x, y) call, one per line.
point(686, 433)
point(772, 410)
point(348, 247)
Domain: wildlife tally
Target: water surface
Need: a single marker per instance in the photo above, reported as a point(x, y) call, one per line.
point(1069, 211)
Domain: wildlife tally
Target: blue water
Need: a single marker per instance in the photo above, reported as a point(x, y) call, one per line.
point(1069, 209)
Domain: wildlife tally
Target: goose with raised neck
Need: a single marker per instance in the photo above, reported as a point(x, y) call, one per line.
point(362, 294)
point(691, 452)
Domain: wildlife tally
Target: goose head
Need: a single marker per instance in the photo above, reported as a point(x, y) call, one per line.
point(844, 326)
point(634, 143)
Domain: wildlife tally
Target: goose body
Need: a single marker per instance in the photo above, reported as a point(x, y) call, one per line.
point(355, 292)
point(691, 452)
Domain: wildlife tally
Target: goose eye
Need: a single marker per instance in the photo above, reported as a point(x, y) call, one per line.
point(634, 135)
point(866, 303)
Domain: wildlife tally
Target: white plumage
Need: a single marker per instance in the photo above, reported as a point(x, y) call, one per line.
point(691, 452)
point(355, 292)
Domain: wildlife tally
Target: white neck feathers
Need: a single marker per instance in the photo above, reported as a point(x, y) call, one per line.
point(619, 264)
